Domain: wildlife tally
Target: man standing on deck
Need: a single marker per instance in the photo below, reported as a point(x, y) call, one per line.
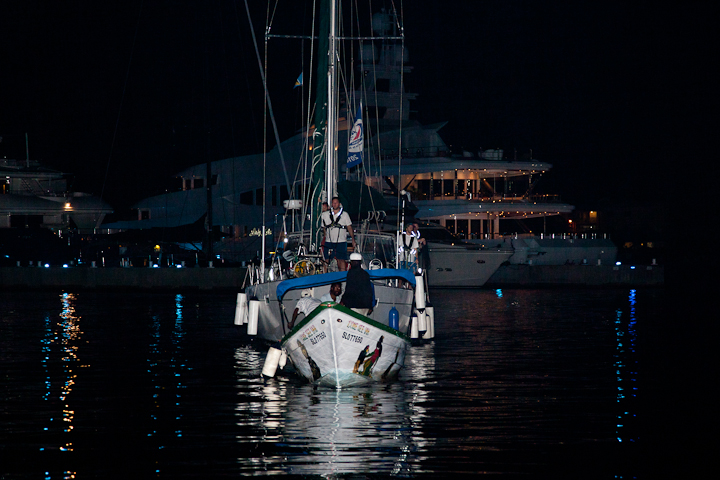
point(337, 225)
point(423, 259)
point(408, 249)
point(359, 292)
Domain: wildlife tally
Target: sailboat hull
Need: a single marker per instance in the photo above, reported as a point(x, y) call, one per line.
point(273, 314)
point(337, 347)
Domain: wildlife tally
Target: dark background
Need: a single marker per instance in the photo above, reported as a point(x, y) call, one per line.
point(125, 93)
point(621, 97)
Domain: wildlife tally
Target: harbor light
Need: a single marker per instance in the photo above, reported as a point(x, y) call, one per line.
point(618, 263)
point(47, 265)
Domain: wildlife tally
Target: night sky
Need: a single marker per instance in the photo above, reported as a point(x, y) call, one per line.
point(125, 93)
point(617, 95)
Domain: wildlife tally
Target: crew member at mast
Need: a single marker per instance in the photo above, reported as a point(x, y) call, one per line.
point(337, 225)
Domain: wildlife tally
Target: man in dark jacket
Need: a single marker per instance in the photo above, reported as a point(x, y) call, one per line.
point(359, 292)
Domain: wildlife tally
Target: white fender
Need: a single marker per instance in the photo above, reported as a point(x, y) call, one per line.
point(241, 309)
point(430, 317)
point(271, 362)
point(283, 360)
point(421, 320)
point(419, 292)
point(253, 311)
point(414, 326)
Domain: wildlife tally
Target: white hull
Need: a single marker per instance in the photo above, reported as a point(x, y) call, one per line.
point(337, 347)
point(272, 320)
point(457, 266)
point(561, 250)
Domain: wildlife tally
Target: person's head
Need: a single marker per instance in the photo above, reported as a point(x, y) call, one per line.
point(336, 289)
point(336, 203)
point(325, 207)
point(409, 228)
point(355, 260)
point(416, 227)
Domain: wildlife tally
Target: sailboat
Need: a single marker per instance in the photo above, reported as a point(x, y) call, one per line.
point(333, 345)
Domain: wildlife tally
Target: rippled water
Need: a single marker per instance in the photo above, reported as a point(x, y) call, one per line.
point(529, 383)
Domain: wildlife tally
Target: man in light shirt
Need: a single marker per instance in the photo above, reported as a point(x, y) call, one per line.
point(408, 249)
point(333, 294)
point(305, 305)
point(337, 225)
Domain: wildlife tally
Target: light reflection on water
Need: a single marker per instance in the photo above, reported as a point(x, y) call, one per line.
point(60, 364)
point(308, 430)
point(626, 369)
point(515, 381)
point(167, 367)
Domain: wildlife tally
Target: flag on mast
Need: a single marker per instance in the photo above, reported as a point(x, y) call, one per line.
point(299, 81)
point(355, 145)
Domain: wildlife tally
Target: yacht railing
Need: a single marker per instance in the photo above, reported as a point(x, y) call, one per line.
point(557, 236)
point(447, 151)
point(480, 198)
point(415, 152)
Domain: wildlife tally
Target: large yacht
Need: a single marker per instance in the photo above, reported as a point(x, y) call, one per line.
point(467, 193)
point(33, 195)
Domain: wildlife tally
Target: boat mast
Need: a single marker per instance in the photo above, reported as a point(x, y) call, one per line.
point(331, 137)
point(319, 152)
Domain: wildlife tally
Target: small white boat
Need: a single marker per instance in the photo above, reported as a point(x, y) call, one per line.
point(333, 345)
point(336, 347)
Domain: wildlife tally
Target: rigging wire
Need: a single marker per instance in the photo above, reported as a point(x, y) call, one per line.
point(347, 82)
point(122, 99)
point(224, 205)
point(268, 103)
point(377, 138)
point(401, 28)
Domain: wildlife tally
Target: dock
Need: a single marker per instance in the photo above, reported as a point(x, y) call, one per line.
point(87, 278)
point(231, 279)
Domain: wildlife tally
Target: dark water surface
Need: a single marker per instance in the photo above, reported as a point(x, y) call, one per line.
point(526, 383)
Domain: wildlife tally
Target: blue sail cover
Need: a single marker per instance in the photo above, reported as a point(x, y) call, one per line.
point(328, 278)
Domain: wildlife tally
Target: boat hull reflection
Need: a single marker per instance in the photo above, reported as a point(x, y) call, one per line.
point(309, 430)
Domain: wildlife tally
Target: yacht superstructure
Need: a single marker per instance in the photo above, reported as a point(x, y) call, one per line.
point(33, 195)
point(468, 193)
